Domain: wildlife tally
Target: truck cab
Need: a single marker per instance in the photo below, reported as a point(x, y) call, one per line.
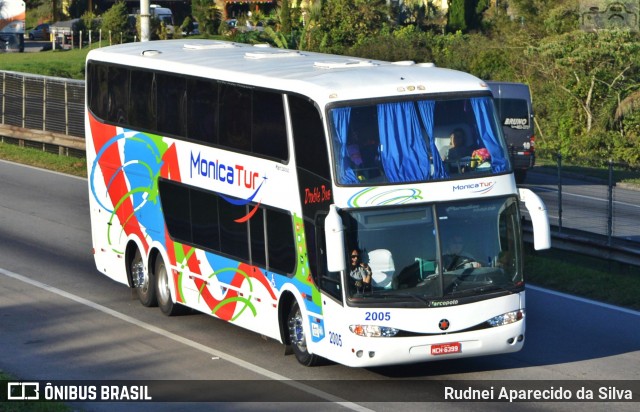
point(513, 106)
point(164, 15)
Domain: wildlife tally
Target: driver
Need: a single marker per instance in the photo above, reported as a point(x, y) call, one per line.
point(455, 256)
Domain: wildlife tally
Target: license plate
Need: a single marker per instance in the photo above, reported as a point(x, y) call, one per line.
point(446, 348)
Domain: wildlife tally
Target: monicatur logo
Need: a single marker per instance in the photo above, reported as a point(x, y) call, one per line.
point(607, 14)
point(478, 187)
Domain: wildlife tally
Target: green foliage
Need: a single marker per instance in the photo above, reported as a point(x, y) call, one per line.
point(39, 14)
point(346, 23)
point(114, 20)
point(207, 14)
point(457, 16)
point(594, 72)
point(187, 25)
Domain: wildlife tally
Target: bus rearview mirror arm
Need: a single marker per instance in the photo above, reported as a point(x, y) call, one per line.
point(539, 218)
point(334, 236)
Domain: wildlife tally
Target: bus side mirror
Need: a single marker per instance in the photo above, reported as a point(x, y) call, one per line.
point(334, 236)
point(539, 219)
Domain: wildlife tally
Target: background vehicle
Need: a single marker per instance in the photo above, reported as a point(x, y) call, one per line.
point(40, 32)
point(513, 104)
point(198, 199)
point(165, 16)
point(12, 17)
point(195, 30)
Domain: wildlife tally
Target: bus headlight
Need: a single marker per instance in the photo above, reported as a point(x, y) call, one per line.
point(507, 318)
point(373, 331)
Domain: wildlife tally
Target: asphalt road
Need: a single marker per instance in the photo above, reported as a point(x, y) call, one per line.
point(585, 205)
point(62, 320)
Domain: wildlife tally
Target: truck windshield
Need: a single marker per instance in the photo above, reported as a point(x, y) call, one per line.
point(416, 141)
point(441, 251)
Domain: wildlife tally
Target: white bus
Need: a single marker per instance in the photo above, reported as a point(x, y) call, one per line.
point(236, 180)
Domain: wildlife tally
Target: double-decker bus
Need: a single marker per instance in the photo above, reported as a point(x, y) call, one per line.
point(237, 180)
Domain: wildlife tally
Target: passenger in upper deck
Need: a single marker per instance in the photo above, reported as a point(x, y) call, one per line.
point(458, 146)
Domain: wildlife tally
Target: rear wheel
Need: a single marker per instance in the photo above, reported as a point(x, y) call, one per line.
point(143, 280)
point(167, 305)
point(297, 337)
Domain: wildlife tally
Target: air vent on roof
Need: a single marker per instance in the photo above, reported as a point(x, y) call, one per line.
point(427, 64)
point(341, 64)
point(272, 54)
point(208, 46)
point(404, 63)
point(150, 53)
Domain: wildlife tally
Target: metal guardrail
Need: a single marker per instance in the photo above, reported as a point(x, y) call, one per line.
point(48, 112)
point(48, 104)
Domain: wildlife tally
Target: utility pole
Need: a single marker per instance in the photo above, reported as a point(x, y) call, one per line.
point(145, 21)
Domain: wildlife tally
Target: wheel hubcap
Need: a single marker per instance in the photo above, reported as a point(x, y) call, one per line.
point(139, 276)
point(296, 331)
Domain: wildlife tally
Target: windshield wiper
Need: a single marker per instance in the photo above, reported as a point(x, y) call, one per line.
point(402, 294)
point(481, 288)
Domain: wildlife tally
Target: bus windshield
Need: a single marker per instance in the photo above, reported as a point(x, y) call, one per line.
point(416, 141)
point(441, 251)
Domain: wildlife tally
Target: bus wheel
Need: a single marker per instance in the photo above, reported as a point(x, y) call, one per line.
point(143, 280)
point(167, 306)
point(296, 325)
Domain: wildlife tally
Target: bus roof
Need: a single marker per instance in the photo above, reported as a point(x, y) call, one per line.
point(323, 77)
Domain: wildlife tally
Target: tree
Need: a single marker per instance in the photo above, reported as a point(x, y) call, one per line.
point(345, 23)
point(593, 73)
point(114, 20)
point(208, 14)
point(457, 20)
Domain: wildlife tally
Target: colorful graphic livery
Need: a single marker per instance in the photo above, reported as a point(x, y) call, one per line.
point(255, 184)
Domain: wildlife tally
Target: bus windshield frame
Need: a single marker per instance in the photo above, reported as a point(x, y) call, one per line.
point(421, 254)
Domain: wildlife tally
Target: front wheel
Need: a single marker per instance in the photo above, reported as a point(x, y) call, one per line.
point(297, 337)
point(167, 305)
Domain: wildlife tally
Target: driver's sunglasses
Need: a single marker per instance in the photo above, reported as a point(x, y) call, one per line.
point(354, 256)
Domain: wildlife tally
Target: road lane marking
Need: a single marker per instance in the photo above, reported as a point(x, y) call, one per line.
point(188, 342)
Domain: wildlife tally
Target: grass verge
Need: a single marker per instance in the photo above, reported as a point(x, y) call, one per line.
point(576, 274)
point(58, 63)
point(573, 273)
point(37, 158)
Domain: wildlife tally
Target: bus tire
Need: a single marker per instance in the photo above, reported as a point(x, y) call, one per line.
point(143, 280)
point(297, 337)
point(166, 304)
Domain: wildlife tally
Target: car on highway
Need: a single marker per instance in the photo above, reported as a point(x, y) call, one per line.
point(40, 32)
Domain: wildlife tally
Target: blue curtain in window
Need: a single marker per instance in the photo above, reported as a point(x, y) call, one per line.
point(341, 117)
point(403, 152)
point(426, 113)
point(482, 110)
